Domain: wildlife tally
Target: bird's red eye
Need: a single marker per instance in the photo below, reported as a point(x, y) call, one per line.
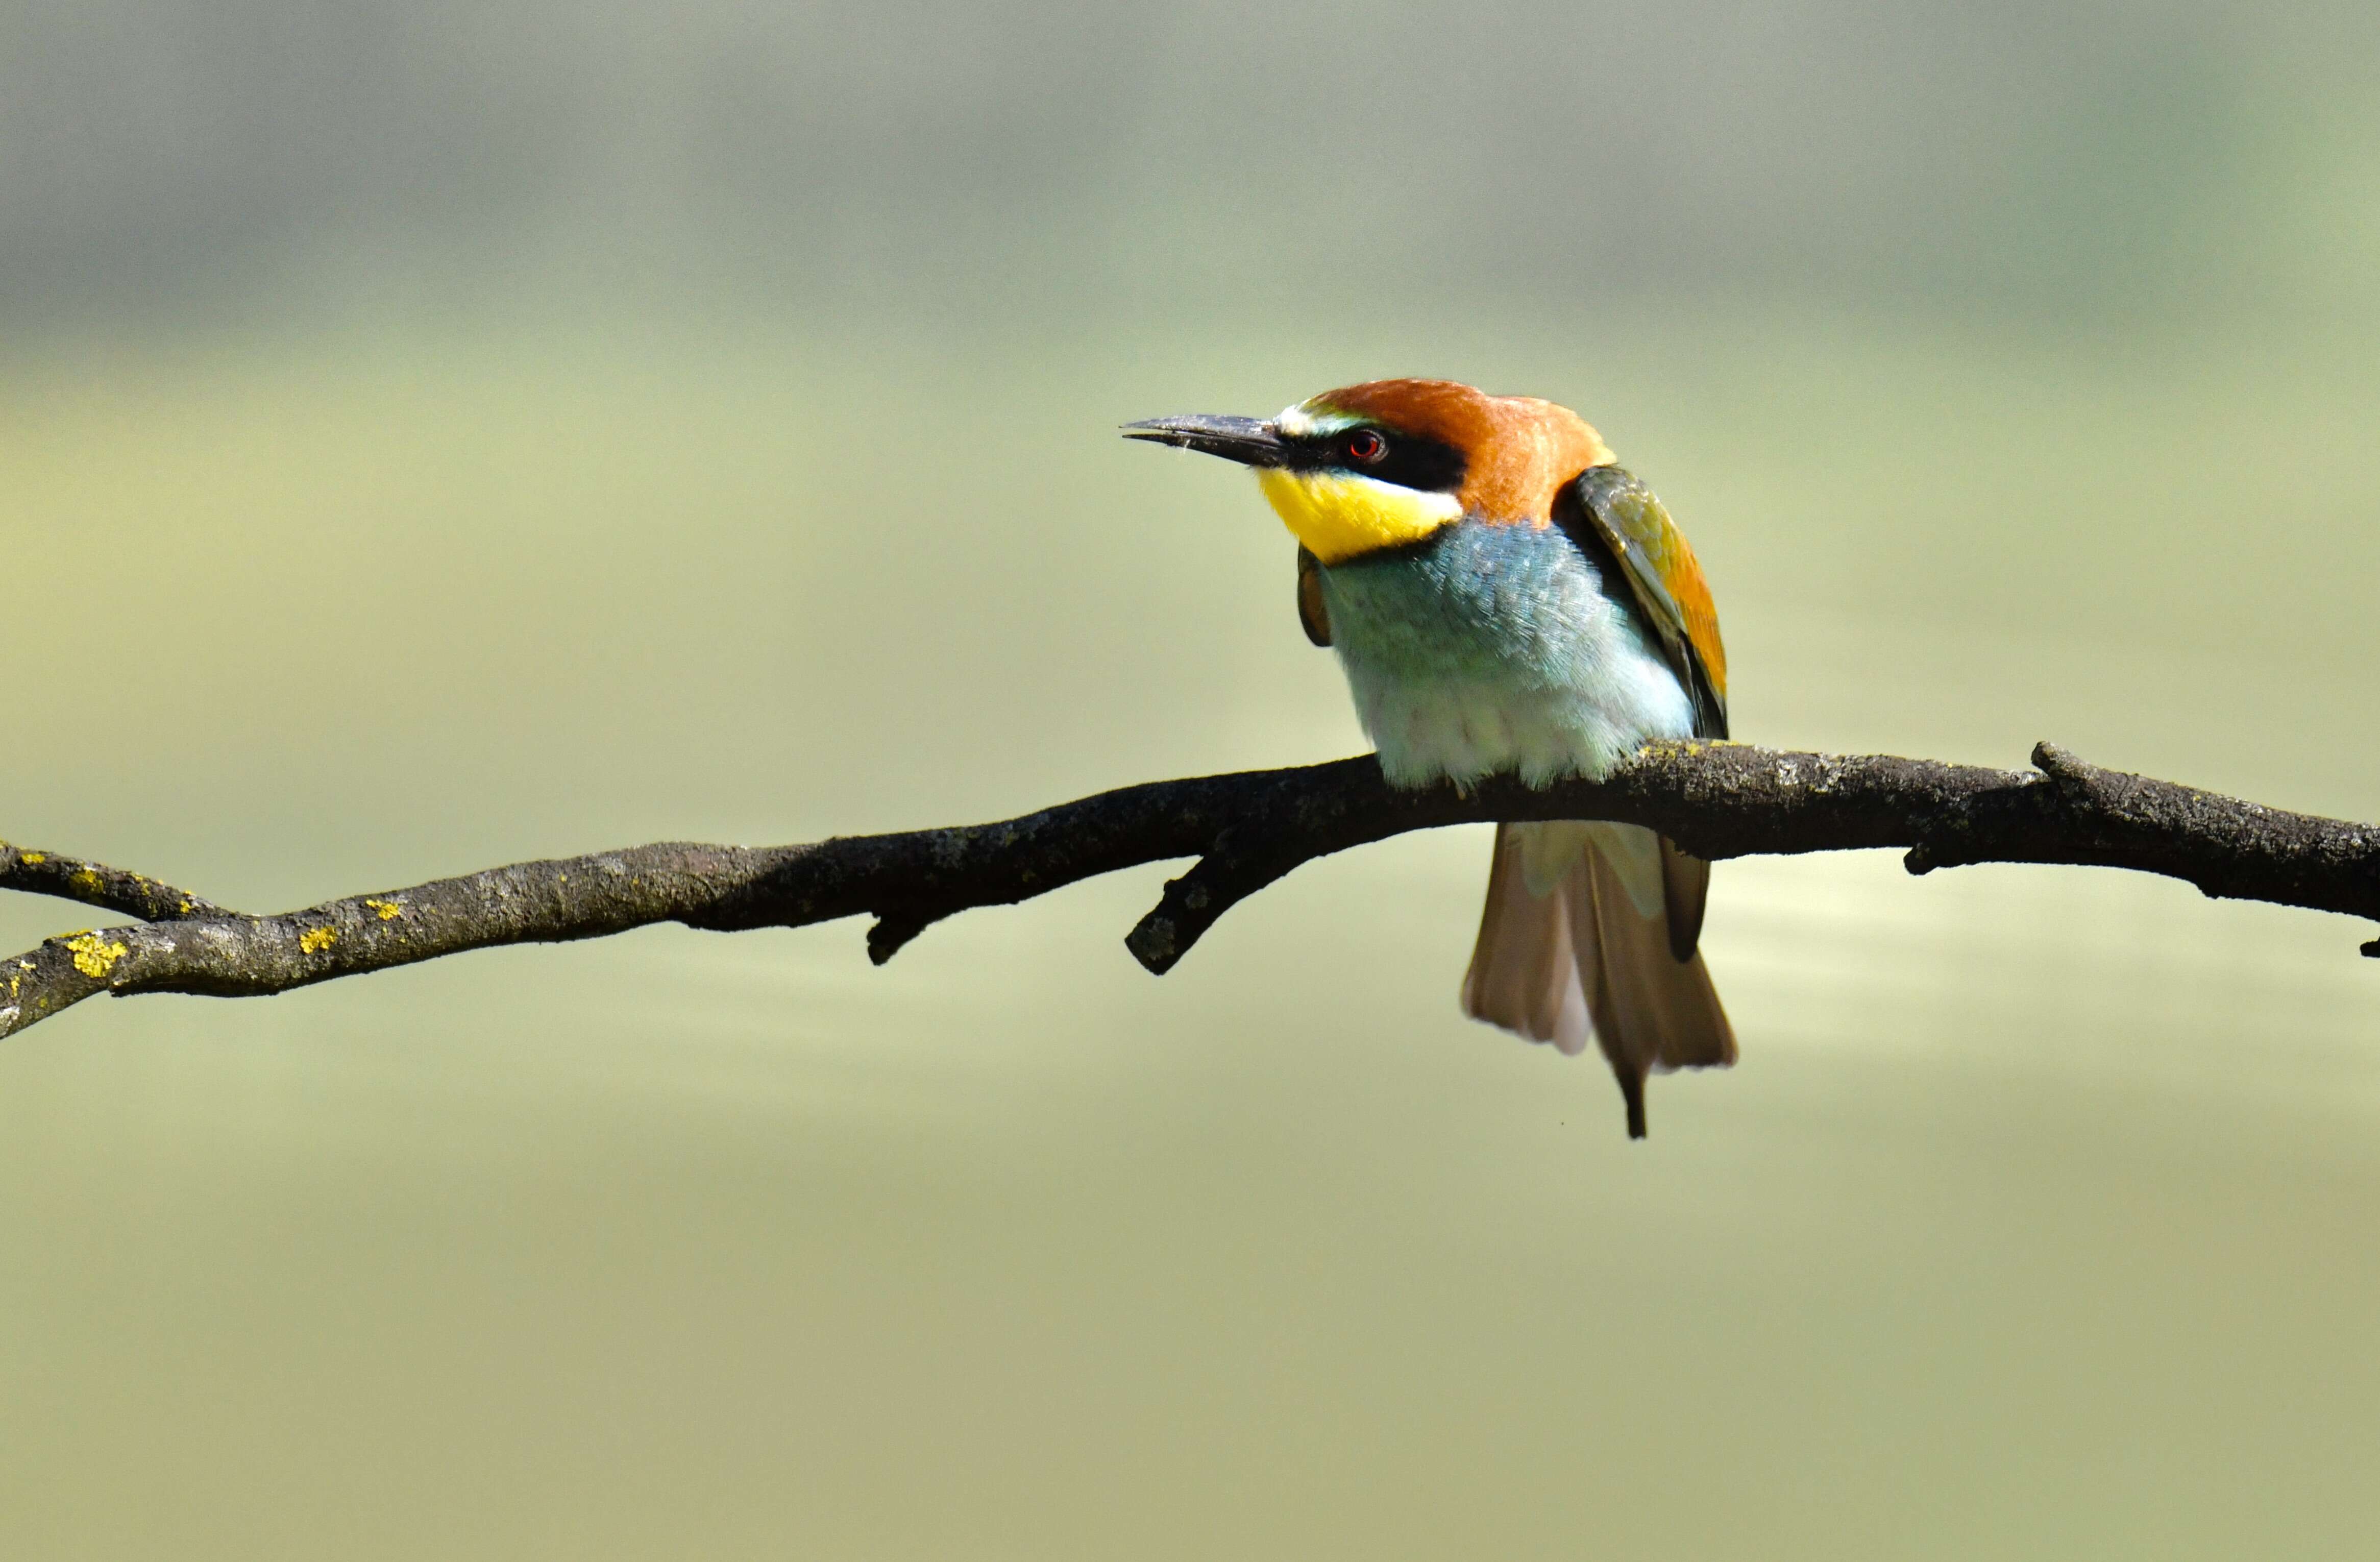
point(1365, 445)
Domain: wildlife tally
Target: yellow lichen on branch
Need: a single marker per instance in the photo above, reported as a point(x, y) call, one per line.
point(94, 955)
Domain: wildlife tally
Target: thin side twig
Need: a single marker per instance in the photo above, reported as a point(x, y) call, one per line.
point(95, 884)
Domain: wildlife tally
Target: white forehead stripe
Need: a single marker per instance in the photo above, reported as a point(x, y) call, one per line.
point(1301, 422)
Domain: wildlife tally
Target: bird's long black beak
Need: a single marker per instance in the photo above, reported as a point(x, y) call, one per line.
point(1248, 441)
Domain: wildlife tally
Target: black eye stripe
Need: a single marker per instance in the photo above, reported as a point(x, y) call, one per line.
point(1409, 461)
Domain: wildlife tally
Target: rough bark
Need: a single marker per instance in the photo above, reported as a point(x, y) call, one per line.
point(1246, 830)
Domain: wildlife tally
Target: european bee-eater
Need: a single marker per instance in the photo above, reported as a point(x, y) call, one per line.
point(1503, 597)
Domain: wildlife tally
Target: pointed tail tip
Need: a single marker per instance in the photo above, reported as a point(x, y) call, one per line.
point(1635, 1098)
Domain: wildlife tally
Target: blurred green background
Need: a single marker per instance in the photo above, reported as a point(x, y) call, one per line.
point(439, 435)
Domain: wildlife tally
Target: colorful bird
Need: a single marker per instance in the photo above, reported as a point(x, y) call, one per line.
point(1504, 598)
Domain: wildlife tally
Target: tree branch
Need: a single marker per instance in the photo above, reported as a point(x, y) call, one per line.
point(1719, 800)
point(95, 884)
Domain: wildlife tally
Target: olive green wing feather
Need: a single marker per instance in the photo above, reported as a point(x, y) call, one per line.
point(1616, 518)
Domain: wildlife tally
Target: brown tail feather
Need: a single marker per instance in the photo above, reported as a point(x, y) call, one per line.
point(1524, 972)
point(1587, 957)
point(1685, 885)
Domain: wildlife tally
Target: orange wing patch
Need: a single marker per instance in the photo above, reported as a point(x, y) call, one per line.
point(1674, 559)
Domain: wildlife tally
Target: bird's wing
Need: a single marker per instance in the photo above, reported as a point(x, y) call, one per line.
point(1616, 518)
point(1617, 522)
point(1312, 611)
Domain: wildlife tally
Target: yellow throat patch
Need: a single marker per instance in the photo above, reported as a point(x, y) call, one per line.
point(1339, 516)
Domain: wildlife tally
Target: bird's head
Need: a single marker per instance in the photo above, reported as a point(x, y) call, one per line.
point(1387, 463)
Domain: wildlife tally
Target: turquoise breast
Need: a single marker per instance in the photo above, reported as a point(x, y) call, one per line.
point(1492, 648)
